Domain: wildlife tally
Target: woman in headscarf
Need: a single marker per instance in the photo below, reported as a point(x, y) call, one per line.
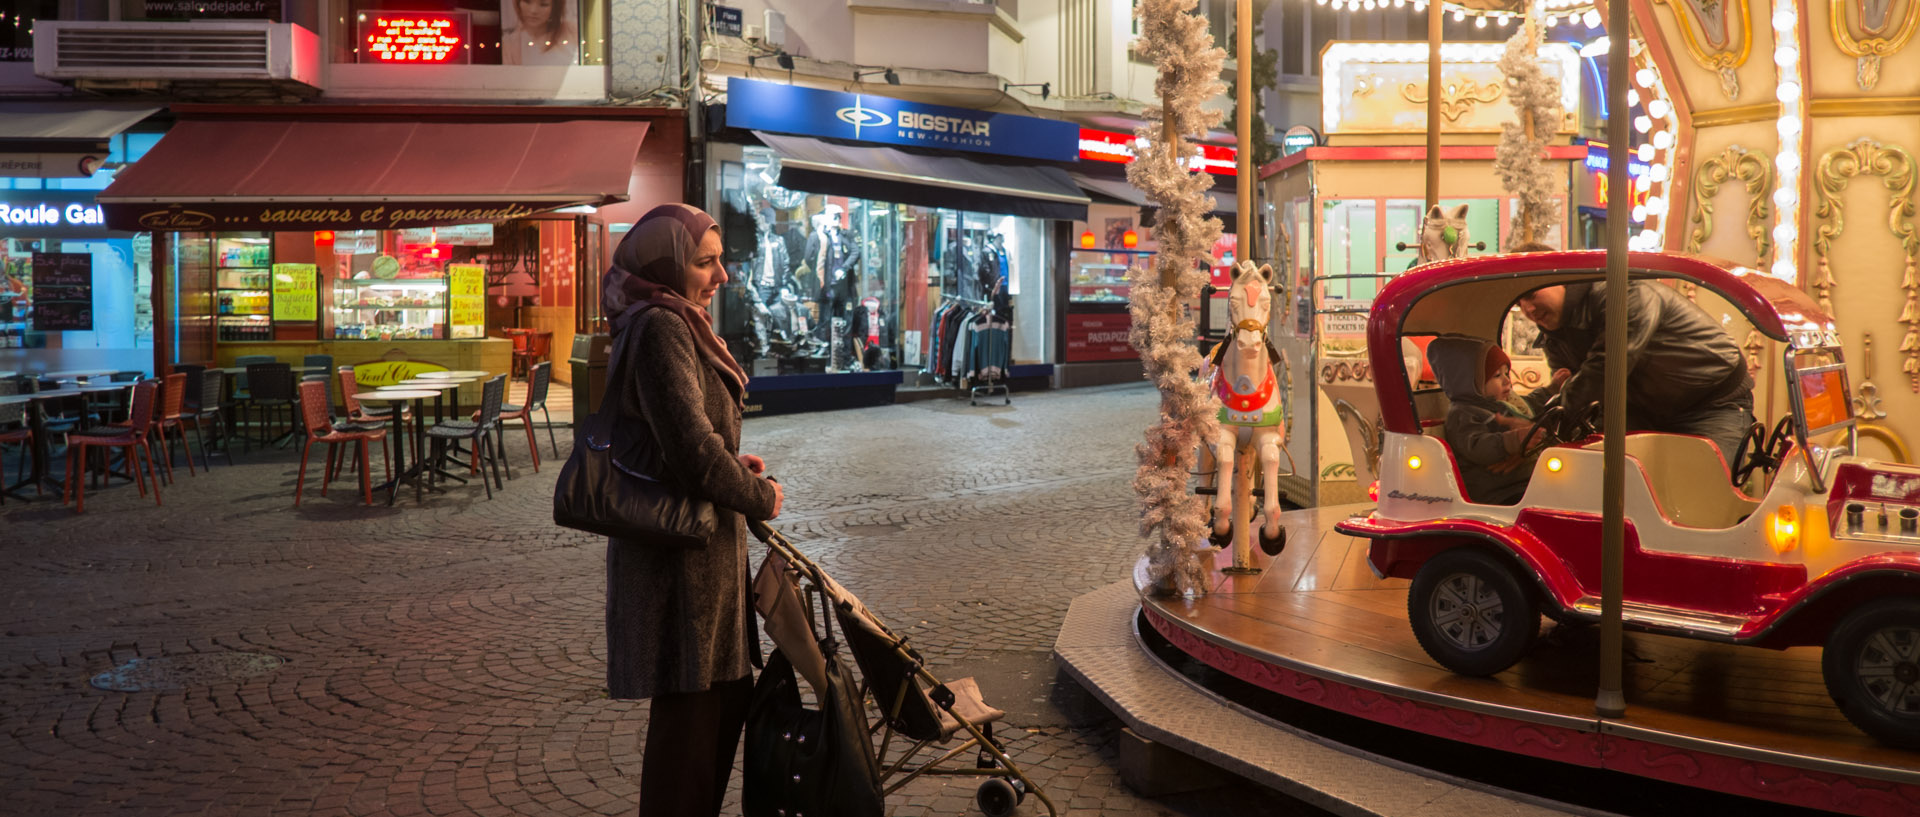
point(680, 627)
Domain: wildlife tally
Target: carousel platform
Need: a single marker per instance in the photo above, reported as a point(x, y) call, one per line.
point(1316, 627)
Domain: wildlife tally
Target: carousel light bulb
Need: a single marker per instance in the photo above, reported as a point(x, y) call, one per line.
point(1785, 270)
point(1642, 184)
point(1639, 212)
point(1459, 16)
point(1552, 21)
point(1399, 3)
point(1785, 17)
point(1788, 93)
point(1657, 205)
point(1591, 18)
point(1789, 126)
point(1658, 108)
point(1643, 123)
point(1658, 173)
point(1652, 238)
point(1633, 97)
point(1644, 77)
point(1786, 56)
point(1480, 21)
point(1785, 233)
point(1788, 162)
point(1644, 153)
point(1663, 140)
point(1368, 5)
point(1786, 197)
point(1504, 19)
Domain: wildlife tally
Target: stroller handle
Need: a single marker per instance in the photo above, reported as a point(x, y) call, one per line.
point(762, 531)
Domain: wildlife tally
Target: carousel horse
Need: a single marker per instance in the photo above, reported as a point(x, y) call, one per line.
point(1253, 419)
point(1443, 234)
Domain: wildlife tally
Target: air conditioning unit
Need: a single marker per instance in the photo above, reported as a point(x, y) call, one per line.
point(157, 54)
point(776, 27)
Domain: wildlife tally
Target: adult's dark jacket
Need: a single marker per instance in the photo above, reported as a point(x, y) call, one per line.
point(1677, 357)
point(680, 620)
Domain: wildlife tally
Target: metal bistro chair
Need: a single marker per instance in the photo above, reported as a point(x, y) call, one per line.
point(14, 431)
point(320, 429)
point(538, 379)
point(479, 434)
point(133, 439)
point(204, 389)
point(270, 390)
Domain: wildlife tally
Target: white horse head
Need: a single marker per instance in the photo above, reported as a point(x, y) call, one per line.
point(1250, 301)
point(1443, 234)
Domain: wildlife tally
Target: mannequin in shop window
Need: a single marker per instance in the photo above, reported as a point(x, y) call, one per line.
point(991, 268)
point(957, 265)
point(873, 334)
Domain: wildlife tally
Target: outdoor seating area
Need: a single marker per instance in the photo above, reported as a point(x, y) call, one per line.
point(69, 434)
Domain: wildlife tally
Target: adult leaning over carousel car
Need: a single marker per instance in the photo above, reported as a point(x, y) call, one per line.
point(1685, 375)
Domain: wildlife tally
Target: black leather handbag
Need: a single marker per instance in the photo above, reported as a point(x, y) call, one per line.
point(802, 762)
point(608, 492)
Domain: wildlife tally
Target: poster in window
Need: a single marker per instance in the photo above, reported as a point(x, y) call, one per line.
point(467, 297)
point(296, 295)
point(62, 291)
point(538, 32)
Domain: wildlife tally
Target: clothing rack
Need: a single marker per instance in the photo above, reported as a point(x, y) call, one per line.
point(973, 346)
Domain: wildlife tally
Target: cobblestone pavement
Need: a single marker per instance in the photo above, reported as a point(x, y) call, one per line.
point(446, 656)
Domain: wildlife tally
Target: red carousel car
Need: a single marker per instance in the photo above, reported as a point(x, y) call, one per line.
point(1825, 552)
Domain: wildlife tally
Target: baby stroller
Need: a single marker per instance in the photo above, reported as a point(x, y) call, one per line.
point(914, 705)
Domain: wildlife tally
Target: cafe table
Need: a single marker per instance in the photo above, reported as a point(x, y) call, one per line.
point(401, 471)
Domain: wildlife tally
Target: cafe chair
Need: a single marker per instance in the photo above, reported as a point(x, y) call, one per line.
point(538, 378)
point(14, 431)
point(320, 429)
point(478, 434)
point(132, 439)
point(203, 406)
point(241, 386)
point(270, 391)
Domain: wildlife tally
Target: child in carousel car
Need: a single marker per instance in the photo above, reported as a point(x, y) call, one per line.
point(1485, 426)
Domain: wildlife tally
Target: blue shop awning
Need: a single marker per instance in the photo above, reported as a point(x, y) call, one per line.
point(893, 175)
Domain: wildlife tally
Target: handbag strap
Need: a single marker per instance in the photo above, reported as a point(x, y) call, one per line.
point(619, 360)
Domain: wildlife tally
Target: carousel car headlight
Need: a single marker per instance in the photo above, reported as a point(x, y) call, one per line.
point(1413, 463)
point(1554, 464)
point(1783, 533)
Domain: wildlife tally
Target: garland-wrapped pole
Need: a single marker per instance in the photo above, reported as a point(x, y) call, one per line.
point(1173, 519)
point(1520, 158)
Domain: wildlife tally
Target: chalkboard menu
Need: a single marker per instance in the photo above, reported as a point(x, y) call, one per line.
point(62, 291)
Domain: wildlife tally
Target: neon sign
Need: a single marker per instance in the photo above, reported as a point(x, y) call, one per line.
point(1109, 146)
point(418, 37)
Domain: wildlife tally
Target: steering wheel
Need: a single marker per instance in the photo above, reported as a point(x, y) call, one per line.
point(1553, 418)
point(1770, 453)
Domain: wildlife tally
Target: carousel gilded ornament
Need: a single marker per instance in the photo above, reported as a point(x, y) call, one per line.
point(1755, 345)
point(1459, 98)
point(1897, 171)
point(1866, 401)
point(1872, 20)
point(1710, 31)
point(1755, 172)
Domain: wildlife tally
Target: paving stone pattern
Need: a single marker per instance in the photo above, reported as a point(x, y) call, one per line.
point(446, 657)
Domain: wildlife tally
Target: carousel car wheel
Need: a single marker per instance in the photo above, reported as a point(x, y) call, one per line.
point(1471, 613)
point(1872, 669)
point(996, 797)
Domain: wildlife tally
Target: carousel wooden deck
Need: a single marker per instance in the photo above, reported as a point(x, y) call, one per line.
point(1317, 625)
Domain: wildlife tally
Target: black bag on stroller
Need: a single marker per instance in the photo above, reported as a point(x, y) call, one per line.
point(802, 762)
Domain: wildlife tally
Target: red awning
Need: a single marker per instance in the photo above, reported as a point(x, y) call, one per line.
point(321, 174)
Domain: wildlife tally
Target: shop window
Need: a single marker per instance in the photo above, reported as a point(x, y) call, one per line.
point(824, 284)
point(470, 32)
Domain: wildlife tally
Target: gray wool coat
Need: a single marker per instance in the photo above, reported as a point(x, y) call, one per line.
point(680, 620)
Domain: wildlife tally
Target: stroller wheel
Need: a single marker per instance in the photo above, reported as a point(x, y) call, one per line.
point(996, 797)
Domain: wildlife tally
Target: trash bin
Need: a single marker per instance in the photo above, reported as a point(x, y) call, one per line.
point(589, 367)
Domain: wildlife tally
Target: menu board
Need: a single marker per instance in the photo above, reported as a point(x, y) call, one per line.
point(62, 291)
point(467, 299)
point(296, 294)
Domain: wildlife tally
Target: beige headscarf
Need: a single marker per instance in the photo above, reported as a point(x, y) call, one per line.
point(650, 266)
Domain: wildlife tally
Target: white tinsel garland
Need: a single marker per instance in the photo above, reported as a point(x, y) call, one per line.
point(1520, 160)
point(1171, 516)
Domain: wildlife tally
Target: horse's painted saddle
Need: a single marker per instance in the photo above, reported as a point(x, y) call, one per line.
point(1256, 408)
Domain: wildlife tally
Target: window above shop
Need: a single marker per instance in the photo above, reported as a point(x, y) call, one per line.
point(469, 32)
